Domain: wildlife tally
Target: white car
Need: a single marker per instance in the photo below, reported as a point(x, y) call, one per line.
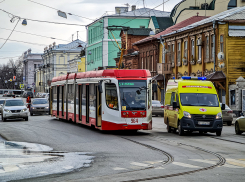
point(14, 108)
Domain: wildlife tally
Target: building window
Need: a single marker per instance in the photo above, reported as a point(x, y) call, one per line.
point(172, 53)
point(207, 48)
point(221, 43)
point(185, 49)
point(142, 63)
point(212, 46)
point(192, 49)
point(233, 97)
point(232, 4)
point(179, 52)
point(199, 51)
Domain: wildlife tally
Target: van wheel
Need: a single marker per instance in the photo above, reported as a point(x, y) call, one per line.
point(180, 130)
point(218, 133)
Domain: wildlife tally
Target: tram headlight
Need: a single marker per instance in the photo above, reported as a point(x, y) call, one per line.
point(187, 115)
point(124, 113)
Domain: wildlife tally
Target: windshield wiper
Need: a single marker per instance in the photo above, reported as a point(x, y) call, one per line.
point(127, 104)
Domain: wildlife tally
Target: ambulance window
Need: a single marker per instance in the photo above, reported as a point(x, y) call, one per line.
point(172, 98)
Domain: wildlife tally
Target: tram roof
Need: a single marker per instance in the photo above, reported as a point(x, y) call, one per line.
point(113, 73)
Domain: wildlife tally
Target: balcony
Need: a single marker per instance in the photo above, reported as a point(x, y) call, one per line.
point(164, 68)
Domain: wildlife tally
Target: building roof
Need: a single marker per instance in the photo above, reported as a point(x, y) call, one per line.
point(141, 12)
point(76, 44)
point(139, 31)
point(164, 22)
point(172, 28)
point(144, 12)
point(232, 14)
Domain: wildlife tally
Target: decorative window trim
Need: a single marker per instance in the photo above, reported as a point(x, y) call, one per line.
point(179, 46)
point(207, 60)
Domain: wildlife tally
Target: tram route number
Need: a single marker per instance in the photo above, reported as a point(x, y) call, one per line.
point(134, 120)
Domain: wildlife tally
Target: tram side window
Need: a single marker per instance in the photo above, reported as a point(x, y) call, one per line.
point(111, 96)
point(92, 96)
point(55, 94)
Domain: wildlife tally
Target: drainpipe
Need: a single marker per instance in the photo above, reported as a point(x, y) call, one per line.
point(214, 22)
point(163, 93)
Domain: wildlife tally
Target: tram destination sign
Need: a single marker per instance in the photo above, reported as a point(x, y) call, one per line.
point(131, 83)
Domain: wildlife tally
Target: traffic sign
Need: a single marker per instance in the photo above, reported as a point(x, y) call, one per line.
point(14, 78)
point(33, 84)
point(21, 85)
point(10, 80)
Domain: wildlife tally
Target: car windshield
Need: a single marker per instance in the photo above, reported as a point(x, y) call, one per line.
point(14, 103)
point(199, 99)
point(1, 101)
point(40, 101)
point(130, 99)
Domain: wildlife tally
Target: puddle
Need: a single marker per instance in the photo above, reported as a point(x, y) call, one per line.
point(20, 160)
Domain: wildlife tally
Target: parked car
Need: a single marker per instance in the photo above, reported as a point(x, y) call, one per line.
point(157, 108)
point(227, 115)
point(39, 106)
point(1, 104)
point(28, 93)
point(240, 125)
point(14, 108)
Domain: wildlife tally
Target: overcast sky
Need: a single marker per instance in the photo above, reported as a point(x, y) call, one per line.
point(91, 9)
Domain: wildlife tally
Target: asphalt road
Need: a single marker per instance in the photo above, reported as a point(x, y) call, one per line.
point(146, 155)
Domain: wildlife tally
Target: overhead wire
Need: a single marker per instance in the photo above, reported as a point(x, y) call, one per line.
point(59, 10)
point(35, 34)
point(42, 21)
point(24, 42)
point(10, 34)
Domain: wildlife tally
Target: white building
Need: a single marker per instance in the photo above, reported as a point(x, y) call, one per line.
point(56, 59)
point(31, 61)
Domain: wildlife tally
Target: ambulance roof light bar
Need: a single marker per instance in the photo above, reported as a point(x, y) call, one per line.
point(193, 78)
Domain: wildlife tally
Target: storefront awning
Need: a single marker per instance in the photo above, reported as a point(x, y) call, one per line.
point(159, 77)
point(216, 76)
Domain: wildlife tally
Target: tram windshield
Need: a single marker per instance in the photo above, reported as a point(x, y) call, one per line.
point(130, 99)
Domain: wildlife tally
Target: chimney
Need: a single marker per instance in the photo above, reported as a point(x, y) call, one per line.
point(133, 7)
point(120, 10)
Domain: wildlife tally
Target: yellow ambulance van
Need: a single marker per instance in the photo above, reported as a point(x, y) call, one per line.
point(192, 104)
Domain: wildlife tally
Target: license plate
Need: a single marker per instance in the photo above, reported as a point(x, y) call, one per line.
point(203, 123)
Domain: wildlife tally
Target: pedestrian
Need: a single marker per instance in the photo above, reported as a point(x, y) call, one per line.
point(28, 101)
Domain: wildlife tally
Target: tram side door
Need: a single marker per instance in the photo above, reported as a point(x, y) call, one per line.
point(99, 108)
point(87, 104)
point(51, 101)
point(63, 99)
point(80, 102)
point(58, 100)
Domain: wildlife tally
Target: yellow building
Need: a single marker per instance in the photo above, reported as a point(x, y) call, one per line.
point(213, 47)
point(188, 8)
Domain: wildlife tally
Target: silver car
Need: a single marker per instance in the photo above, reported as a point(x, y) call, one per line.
point(39, 106)
point(14, 108)
point(1, 104)
point(227, 115)
point(157, 108)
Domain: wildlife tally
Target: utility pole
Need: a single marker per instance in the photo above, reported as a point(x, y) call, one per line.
point(205, 7)
point(144, 3)
point(163, 5)
point(77, 34)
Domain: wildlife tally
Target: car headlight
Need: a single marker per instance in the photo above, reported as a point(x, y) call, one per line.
point(23, 110)
point(187, 115)
point(46, 107)
point(6, 110)
point(219, 115)
point(33, 107)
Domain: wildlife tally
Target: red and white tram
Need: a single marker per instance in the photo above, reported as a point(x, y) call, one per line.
point(106, 99)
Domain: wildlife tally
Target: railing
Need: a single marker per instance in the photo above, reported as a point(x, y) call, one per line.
point(164, 68)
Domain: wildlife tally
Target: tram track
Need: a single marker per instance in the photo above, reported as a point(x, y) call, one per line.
point(221, 161)
point(228, 140)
